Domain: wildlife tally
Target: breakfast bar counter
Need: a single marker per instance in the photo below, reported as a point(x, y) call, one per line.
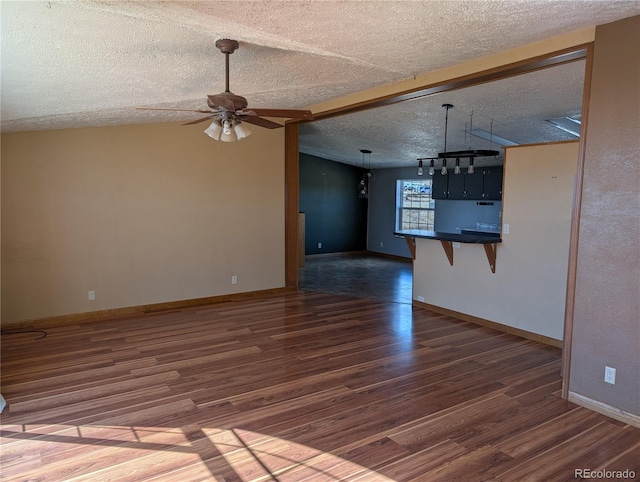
point(489, 242)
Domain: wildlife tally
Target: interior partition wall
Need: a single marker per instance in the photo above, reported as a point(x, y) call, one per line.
point(335, 216)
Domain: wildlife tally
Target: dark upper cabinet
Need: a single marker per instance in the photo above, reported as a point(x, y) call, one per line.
point(492, 188)
point(439, 186)
point(456, 185)
point(473, 184)
point(484, 184)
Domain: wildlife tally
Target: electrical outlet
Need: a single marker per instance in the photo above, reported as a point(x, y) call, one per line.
point(319, 245)
point(234, 280)
point(421, 299)
point(91, 295)
point(456, 244)
point(505, 229)
point(610, 375)
point(381, 244)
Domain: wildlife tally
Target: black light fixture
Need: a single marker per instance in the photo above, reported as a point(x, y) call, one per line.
point(363, 186)
point(457, 155)
point(470, 153)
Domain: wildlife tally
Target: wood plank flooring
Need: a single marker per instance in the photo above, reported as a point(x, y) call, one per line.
point(295, 387)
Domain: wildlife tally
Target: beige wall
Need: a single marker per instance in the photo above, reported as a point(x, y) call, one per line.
point(141, 214)
point(156, 209)
point(606, 325)
point(528, 289)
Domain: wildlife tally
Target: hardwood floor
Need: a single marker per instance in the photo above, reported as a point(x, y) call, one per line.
point(359, 275)
point(295, 387)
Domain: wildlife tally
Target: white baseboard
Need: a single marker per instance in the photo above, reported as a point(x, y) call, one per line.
point(605, 409)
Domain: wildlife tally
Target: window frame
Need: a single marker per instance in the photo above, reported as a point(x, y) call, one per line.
point(424, 189)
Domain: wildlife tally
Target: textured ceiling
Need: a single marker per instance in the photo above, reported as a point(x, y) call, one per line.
point(516, 108)
point(68, 64)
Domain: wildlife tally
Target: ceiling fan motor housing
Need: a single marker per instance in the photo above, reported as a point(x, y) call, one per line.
point(229, 101)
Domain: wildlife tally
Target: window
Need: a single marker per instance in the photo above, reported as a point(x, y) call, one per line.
point(414, 205)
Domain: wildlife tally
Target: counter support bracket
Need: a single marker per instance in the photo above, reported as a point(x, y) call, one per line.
point(490, 250)
point(411, 244)
point(447, 240)
point(448, 249)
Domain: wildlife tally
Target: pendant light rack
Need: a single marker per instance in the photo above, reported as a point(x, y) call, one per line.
point(470, 154)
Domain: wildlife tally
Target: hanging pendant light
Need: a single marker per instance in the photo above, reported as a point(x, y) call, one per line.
point(470, 153)
point(471, 169)
point(457, 155)
point(363, 185)
point(420, 172)
point(443, 171)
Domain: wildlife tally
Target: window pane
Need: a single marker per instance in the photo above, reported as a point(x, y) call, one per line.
point(415, 205)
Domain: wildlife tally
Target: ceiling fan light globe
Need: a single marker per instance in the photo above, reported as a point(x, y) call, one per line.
point(241, 130)
point(227, 127)
point(229, 137)
point(214, 130)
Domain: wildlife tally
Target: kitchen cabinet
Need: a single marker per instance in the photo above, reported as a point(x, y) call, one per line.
point(439, 186)
point(492, 184)
point(484, 184)
point(455, 185)
point(473, 184)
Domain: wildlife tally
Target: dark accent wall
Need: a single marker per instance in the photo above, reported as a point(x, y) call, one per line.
point(334, 214)
point(382, 211)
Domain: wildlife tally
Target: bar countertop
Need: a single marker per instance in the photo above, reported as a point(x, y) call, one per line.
point(457, 238)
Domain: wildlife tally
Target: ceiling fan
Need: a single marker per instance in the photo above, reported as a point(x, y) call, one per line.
point(229, 110)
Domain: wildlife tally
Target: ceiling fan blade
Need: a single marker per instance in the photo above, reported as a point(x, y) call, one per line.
point(259, 121)
point(176, 110)
point(197, 121)
point(288, 113)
